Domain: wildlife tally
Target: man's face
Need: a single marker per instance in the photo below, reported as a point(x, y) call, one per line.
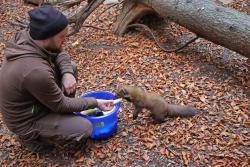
point(54, 44)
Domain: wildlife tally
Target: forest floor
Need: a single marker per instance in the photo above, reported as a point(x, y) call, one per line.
point(212, 78)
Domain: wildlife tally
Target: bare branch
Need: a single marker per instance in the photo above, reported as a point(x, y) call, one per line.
point(90, 26)
point(18, 24)
point(25, 22)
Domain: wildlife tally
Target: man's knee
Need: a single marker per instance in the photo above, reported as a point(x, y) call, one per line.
point(81, 128)
point(86, 127)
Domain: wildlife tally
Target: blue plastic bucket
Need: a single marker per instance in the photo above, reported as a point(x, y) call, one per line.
point(106, 125)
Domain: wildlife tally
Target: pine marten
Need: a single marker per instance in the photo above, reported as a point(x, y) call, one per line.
point(159, 108)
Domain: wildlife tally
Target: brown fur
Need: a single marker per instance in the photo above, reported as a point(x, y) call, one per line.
point(159, 108)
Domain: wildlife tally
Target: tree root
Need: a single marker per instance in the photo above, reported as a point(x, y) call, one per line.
point(160, 45)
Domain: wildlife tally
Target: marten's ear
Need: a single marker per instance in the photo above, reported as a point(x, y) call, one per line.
point(126, 94)
point(123, 91)
point(119, 91)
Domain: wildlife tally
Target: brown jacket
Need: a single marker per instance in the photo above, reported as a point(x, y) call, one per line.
point(28, 89)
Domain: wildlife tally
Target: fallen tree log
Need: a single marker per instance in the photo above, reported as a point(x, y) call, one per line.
point(224, 26)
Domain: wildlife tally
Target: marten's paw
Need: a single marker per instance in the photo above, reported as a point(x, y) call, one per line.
point(158, 119)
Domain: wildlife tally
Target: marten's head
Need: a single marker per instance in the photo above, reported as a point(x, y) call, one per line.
point(123, 92)
point(129, 93)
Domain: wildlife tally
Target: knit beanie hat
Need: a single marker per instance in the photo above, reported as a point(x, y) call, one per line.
point(45, 22)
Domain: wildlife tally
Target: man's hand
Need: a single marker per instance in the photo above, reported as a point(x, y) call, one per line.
point(105, 105)
point(68, 83)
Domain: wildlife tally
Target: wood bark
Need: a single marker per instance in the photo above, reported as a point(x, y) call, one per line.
point(84, 13)
point(224, 26)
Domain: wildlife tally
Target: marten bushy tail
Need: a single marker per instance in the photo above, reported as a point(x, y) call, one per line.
point(180, 111)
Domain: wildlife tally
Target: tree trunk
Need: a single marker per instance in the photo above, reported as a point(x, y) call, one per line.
point(223, 26)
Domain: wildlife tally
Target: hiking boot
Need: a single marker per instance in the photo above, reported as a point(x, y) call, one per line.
point(36, 146)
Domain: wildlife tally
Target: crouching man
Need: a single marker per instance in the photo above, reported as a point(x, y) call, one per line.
point(38, 84)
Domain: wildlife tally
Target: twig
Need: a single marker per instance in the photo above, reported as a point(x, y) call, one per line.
point(91, 26)
point(170, 150)
point(146, 28)
point(18, 24)
point(22, 22)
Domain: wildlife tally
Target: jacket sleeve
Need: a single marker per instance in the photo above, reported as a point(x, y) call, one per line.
point(41, 84)
point(63, 62)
